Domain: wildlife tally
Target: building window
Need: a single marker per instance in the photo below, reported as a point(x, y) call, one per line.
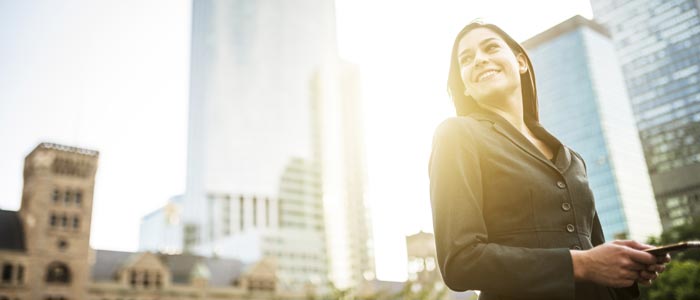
point(62, 244)
point(132, 278)
point(53, 221)
point(6, 273)
point(159, 284)
point(241, 213)
point(20, 274)
point(255, 212)
point(67, 197)
point(267, 212)
point(55, 195)
point(64, 221)
point(58, 272)
point(76, 222)
point(78, 198)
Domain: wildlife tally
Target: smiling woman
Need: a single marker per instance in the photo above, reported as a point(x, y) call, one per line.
point(512, 210)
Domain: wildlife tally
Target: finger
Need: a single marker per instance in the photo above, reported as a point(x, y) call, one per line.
point(665, 259)
point(636, 245)
point(644, 282)
point(633, 266)
point(660, 268)
point(641, 256)
point(629, 275)
point(648, 275)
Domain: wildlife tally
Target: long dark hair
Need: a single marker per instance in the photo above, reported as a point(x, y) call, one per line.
point(465, 105)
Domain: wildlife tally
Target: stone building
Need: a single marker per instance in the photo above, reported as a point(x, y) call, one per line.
point(45, 251)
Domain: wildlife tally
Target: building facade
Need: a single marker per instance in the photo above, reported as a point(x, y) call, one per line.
point(45, 258)
point(339, 148)
point(583, 102)
point(45, 252)
point(250, 115)
point(658, 46)
point(256, 153)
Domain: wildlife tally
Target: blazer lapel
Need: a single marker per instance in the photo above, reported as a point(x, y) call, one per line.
point(504, 128)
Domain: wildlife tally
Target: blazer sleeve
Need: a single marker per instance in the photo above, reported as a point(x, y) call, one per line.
point(597, 238)
point(466, 258)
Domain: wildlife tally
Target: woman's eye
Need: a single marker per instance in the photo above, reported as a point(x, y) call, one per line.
point(465, 60)
point(491, 47)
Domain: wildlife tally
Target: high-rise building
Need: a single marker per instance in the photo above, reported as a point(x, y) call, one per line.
point(658, 46)
point(249, 115)
point(258, 157)
point(339, 136)
point(583, 102)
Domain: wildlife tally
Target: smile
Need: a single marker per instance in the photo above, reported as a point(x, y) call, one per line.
point(486, 75)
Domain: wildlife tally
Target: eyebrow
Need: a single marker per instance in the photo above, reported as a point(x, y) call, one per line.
point(465, 51)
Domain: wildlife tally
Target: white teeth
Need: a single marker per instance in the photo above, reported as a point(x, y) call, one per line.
point(486, 75)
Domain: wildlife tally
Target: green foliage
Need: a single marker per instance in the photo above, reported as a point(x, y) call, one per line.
point(681, 280)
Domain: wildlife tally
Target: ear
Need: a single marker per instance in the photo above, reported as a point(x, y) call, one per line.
point(522, 63)
point(466, 92)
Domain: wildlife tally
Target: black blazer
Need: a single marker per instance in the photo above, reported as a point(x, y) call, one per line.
point(505, 216)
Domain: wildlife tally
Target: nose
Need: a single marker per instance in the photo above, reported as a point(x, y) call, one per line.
point(479, 58)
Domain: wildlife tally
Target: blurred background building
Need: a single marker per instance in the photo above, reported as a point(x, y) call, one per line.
point(583, 101)
point(274, 134)
point(44, 250)
point(339, 135)
point(658, 46)
point(424, 278)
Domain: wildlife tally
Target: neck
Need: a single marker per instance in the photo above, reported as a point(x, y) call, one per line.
point(509, 108)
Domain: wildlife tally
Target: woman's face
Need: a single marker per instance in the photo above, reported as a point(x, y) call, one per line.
point(488, 66)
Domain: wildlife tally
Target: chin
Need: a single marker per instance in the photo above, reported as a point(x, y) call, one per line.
point(494, 91)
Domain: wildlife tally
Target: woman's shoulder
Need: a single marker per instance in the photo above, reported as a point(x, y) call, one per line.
point(464, 130)
point(458, 124)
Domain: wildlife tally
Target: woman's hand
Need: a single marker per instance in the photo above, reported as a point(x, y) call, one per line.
point(615, 264)
point(650, 274)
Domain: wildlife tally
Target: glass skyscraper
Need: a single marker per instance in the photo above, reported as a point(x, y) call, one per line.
point(583, 102)
point(249, 115)
point(258, 153)
point(658, 45)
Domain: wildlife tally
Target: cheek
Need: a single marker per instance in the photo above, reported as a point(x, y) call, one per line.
point(464, 72)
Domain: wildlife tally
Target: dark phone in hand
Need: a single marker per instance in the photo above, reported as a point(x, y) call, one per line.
point(662, 250)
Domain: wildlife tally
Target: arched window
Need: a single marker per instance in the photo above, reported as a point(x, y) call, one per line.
point(58, 272)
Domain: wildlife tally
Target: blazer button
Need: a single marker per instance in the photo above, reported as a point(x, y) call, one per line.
point(570, 228)
point(566, 206)
point(561, 184)
point(576, 247)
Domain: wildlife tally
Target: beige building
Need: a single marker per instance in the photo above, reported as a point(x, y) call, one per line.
point(424, 279)
point(45, 252)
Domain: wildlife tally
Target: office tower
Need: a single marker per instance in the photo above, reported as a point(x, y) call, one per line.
point(658, 46)
point(254, 183)
point(249, 111)
point(339, 136)
point(583, 102)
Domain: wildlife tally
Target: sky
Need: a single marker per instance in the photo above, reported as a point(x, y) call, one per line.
point(113, 76)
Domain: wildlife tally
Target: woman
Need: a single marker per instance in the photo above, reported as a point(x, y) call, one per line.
point(512, 211)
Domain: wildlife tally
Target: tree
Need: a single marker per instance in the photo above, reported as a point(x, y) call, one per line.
point(681, 280)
